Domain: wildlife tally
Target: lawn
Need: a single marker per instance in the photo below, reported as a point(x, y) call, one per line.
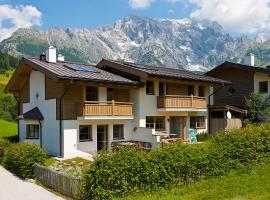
point(8, 128)
point(239, 185)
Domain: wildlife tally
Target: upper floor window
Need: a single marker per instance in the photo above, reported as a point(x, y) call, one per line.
point(161, 89)
point(197, 122)
point(156, 122)
point(150, 89)
point(111, 94)
point(201, 91)
point(85, 133)
point(91, 94)
point(118, 131)
point(32, 131)
point(263, 87)
point(190, 90)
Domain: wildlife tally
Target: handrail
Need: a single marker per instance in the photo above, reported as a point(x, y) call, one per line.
point(107, 102)
point(182, 96)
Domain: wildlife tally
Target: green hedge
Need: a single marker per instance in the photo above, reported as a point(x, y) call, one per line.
point(4, 144)
point(20, 159)
point(126, 171)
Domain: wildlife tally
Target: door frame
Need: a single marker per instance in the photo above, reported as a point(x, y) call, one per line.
point(183, 121)
point(105, 143)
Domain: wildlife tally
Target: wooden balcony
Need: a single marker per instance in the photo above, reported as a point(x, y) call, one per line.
point(107, 108)
point(172, 101)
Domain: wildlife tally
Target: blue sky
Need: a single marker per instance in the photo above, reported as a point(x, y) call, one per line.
point(241, 16)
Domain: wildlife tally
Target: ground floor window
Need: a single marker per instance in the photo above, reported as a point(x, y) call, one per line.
point(118, 131)
point(32, 131)
point(156, 122)
point(85, 133)
point(197, 122)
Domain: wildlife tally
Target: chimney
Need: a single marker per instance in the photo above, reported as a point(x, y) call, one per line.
point(60, 57)
point(249, 59)
point(42, 57)
point(51, 54)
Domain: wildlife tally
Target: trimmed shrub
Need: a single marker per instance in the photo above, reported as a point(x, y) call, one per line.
point(20, 159)
point(3, 145)
point(128, 170)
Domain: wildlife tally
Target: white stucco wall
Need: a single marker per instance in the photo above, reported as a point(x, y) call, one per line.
point(50, 126)
point(258, 77)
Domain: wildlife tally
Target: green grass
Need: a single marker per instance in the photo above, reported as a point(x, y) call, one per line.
point(8, 128)
point(239, 185)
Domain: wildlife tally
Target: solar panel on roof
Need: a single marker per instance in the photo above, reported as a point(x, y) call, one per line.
point(82, 68)
point(142, 66)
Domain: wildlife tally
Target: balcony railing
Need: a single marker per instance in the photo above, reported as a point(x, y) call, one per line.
point(107, 108)
point(172, 101)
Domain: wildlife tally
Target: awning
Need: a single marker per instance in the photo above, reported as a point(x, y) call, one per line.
point(34, 114)
point(227, 108)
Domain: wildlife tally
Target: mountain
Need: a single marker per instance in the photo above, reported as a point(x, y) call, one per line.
point(193, 45)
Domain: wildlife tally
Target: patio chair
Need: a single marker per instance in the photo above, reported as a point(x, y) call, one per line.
point(192, 136)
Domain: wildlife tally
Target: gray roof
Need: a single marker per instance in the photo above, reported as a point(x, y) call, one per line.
point(61, 71)
point(173, 73)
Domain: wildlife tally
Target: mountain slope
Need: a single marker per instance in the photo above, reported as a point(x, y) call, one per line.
point(166, 42)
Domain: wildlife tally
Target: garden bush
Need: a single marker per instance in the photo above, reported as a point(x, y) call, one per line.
point(4, 144)
point(128, 170)
point(21, 158)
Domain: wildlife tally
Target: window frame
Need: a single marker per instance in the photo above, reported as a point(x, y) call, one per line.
point(36, 135)
point(96, 90)
point(154, 124)
point(201, 91)
point(89, 133)
point(263, 88)
point(198, 120)
point(150, 87)
point(122, 132)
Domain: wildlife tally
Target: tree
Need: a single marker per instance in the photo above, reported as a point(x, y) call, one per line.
point(258, 107)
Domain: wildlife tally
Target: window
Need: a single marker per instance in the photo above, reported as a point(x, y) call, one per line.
point(156, 122)
point(197, 122)
point(118, 132)
point(91, 94)
point(161, 89)
point(111, 94)
point(85, 133)
point(263, 87)
point(32, 131)
point(201, 91)
point(150, 88)
point(190, 90)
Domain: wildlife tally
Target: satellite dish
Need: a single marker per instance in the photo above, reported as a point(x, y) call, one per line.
point(229, 115)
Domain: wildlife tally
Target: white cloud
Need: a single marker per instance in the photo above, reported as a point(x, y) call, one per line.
point(17, 17)
point(140, 4)
point(234, 15)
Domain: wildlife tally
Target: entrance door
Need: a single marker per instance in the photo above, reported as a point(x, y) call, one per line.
point(178, 126)
point(102, 137)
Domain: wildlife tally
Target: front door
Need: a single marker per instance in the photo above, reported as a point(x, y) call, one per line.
point(178, 126)
point(102, 137)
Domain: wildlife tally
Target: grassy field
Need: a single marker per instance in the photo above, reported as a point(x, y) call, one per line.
point(239, 185)
point(7, 128)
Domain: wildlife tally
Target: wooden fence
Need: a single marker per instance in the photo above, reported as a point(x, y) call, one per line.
point(59, 182)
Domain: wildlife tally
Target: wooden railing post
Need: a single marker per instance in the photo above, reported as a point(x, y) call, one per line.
point(192, 101)
point(113, 106)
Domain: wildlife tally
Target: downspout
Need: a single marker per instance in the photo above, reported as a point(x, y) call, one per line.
point(18, 112)
point(208, 106)
point(40, 132)
point(60, 120)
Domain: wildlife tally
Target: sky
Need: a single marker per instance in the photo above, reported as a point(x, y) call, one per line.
point(236, 16)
